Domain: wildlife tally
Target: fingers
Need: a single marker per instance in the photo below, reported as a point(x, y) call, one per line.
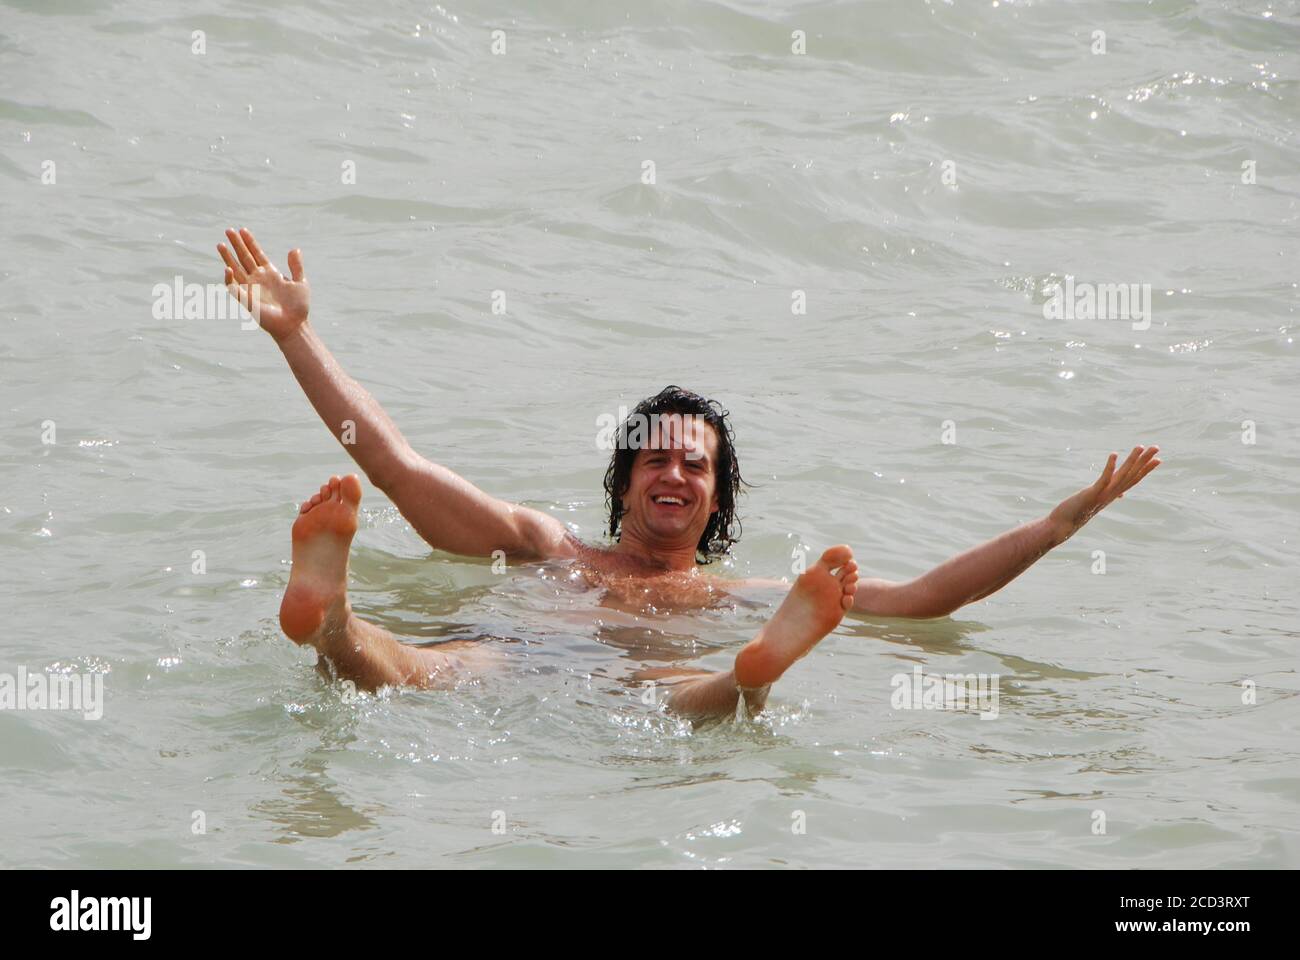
point(1137, 465)
point(1145, 464)
point(1119, 482)
point(240, 293)
point(245, 256)
point(1147, 454)
point(247, 236)
point(1133, 466)
point(1122, 474)
point(232, 264)
point(1106, 474)
point(245, 294)
point(241, 251)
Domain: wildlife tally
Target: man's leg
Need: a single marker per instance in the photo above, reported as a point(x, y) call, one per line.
point(813, 608)
point(702, 694)
point(315, 608)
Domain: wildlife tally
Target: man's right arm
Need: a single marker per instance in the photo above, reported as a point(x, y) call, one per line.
point(446, 510)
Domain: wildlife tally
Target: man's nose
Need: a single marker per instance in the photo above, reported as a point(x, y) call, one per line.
point(674, 470)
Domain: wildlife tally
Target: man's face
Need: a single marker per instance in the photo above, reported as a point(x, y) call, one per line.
point(673, 491)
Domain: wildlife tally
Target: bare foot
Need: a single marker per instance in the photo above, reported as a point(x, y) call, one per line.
point(318, 582)
point(814, 607)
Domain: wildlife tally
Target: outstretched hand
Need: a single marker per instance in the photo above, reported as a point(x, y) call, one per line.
point(1077, 510)
point(277, 303)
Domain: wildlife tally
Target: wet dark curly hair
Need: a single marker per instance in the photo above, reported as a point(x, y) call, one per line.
point(724, 526)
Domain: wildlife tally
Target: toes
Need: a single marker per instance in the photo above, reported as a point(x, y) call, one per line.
point(350, 488)
point(337, 488)
point(849, 584)
point(836, 557)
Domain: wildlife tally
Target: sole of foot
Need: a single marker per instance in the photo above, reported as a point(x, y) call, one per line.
point(814, 607)
point(318, 581)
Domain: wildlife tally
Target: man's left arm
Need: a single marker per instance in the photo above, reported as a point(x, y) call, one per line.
point(985, 569)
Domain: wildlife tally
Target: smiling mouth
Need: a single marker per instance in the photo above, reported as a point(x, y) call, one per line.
point(669, 501)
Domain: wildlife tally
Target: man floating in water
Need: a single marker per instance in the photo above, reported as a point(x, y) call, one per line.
point(672, 506)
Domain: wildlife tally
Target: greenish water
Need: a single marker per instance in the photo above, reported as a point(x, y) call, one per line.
point(775, 172)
